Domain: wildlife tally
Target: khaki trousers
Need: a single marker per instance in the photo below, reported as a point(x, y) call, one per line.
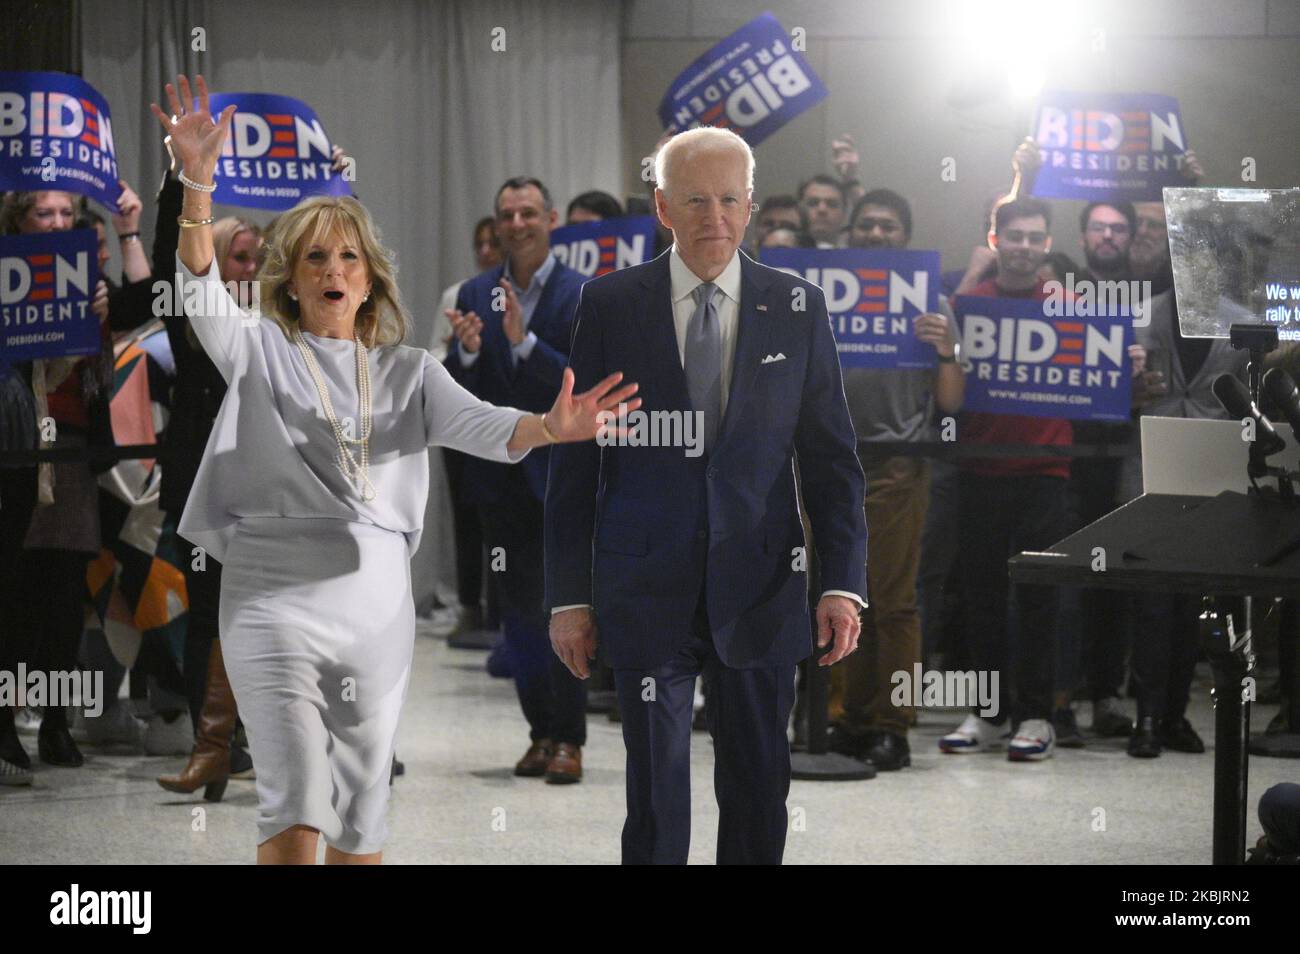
point(898, 493)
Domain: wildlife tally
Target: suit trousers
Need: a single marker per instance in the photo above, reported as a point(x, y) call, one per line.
point(204, 590)
point(1164, 653)
point(898, 490)
point(747, 712)
point(554, 701)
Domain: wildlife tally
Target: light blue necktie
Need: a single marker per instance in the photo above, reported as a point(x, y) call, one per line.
point(704, 361)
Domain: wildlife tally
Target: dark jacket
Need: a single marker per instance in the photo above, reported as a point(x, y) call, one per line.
point(637, 532)
point(532, 385)
point(199, 388)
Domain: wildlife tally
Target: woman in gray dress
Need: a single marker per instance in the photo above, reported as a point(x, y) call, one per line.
point(312, 490)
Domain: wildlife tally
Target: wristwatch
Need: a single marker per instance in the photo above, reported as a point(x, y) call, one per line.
point(956, 355)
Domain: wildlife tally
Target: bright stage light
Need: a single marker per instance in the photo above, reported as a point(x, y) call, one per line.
point(1018, 38)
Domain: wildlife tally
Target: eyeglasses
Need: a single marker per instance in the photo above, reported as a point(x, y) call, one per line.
point(1152, 225)
point(1101, 228)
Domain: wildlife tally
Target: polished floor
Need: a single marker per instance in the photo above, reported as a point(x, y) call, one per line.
point(459, 803)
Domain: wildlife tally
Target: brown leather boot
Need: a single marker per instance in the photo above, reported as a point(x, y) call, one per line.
point(209, 764)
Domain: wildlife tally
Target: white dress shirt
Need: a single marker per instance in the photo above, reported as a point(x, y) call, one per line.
point(682, 284)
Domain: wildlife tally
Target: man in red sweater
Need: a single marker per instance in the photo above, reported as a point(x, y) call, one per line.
point(1009, 505)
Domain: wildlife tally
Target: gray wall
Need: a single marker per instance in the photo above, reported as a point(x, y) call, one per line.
point(892, 67)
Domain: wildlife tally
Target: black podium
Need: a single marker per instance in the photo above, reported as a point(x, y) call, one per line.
point(1229, 546)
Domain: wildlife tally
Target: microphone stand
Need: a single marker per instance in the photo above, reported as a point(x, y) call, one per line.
point(1259, 339)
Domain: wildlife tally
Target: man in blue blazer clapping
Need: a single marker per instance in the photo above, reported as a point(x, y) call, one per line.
point(677, 547)
point(512, 328)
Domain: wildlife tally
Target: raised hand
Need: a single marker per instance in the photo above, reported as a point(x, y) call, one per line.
point(1027, 159)
point(196, 138)
point(582, 417)
point(129, 207)
point(844, 156)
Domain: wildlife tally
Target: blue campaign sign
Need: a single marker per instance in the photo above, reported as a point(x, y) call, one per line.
point(752, 83)
point(1097, 146)
point(47, 282)
point(873, 296)
point(56, 134)
point(1028, 357)
point(276, 155)
point(598, 248)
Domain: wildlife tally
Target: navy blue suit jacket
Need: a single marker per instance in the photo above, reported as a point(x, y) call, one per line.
point(637, 531)
point(532, 385)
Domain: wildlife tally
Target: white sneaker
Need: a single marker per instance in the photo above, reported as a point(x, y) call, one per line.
point(169, 738)
point(1033, 741)
point(114, 726)
point(28, 720)
point(11, 774)
point(973, 735)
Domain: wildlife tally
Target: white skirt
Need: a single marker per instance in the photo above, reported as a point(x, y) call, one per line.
point(317, 630)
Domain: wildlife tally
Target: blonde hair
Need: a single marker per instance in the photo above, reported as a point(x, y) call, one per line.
point(18, 204)
point(224, 233)
point(382, 319)
point(701, 139)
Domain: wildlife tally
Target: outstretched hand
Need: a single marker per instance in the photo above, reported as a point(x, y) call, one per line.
point(583, 416)
point(196, 138)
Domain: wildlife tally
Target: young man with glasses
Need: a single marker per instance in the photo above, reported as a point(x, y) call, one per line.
point(1009, 505)
point(1099, 646)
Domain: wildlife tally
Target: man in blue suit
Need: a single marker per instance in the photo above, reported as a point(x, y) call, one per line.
point(512, 328)
point(679, 560)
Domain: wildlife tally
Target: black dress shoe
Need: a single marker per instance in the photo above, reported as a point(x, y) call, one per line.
point(1178, 735)
point(1144, 743)
point(55, 747)
point(1067, 731)
point(850, 744)
point(890, 752)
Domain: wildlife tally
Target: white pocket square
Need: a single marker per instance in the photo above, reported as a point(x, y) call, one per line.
point(772, 358)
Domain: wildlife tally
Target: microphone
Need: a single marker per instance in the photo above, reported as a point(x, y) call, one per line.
point(1281, 389)
point(1234, 397)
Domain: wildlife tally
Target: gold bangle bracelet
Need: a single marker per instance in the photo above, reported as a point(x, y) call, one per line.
point(547, 431)
point(193, 223)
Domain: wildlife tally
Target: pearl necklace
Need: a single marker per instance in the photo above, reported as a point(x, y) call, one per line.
point(351, 467)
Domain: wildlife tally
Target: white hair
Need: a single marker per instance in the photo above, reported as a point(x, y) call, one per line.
point(702, 139)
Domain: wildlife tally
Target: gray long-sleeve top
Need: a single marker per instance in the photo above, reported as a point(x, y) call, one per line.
point(272, 452)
